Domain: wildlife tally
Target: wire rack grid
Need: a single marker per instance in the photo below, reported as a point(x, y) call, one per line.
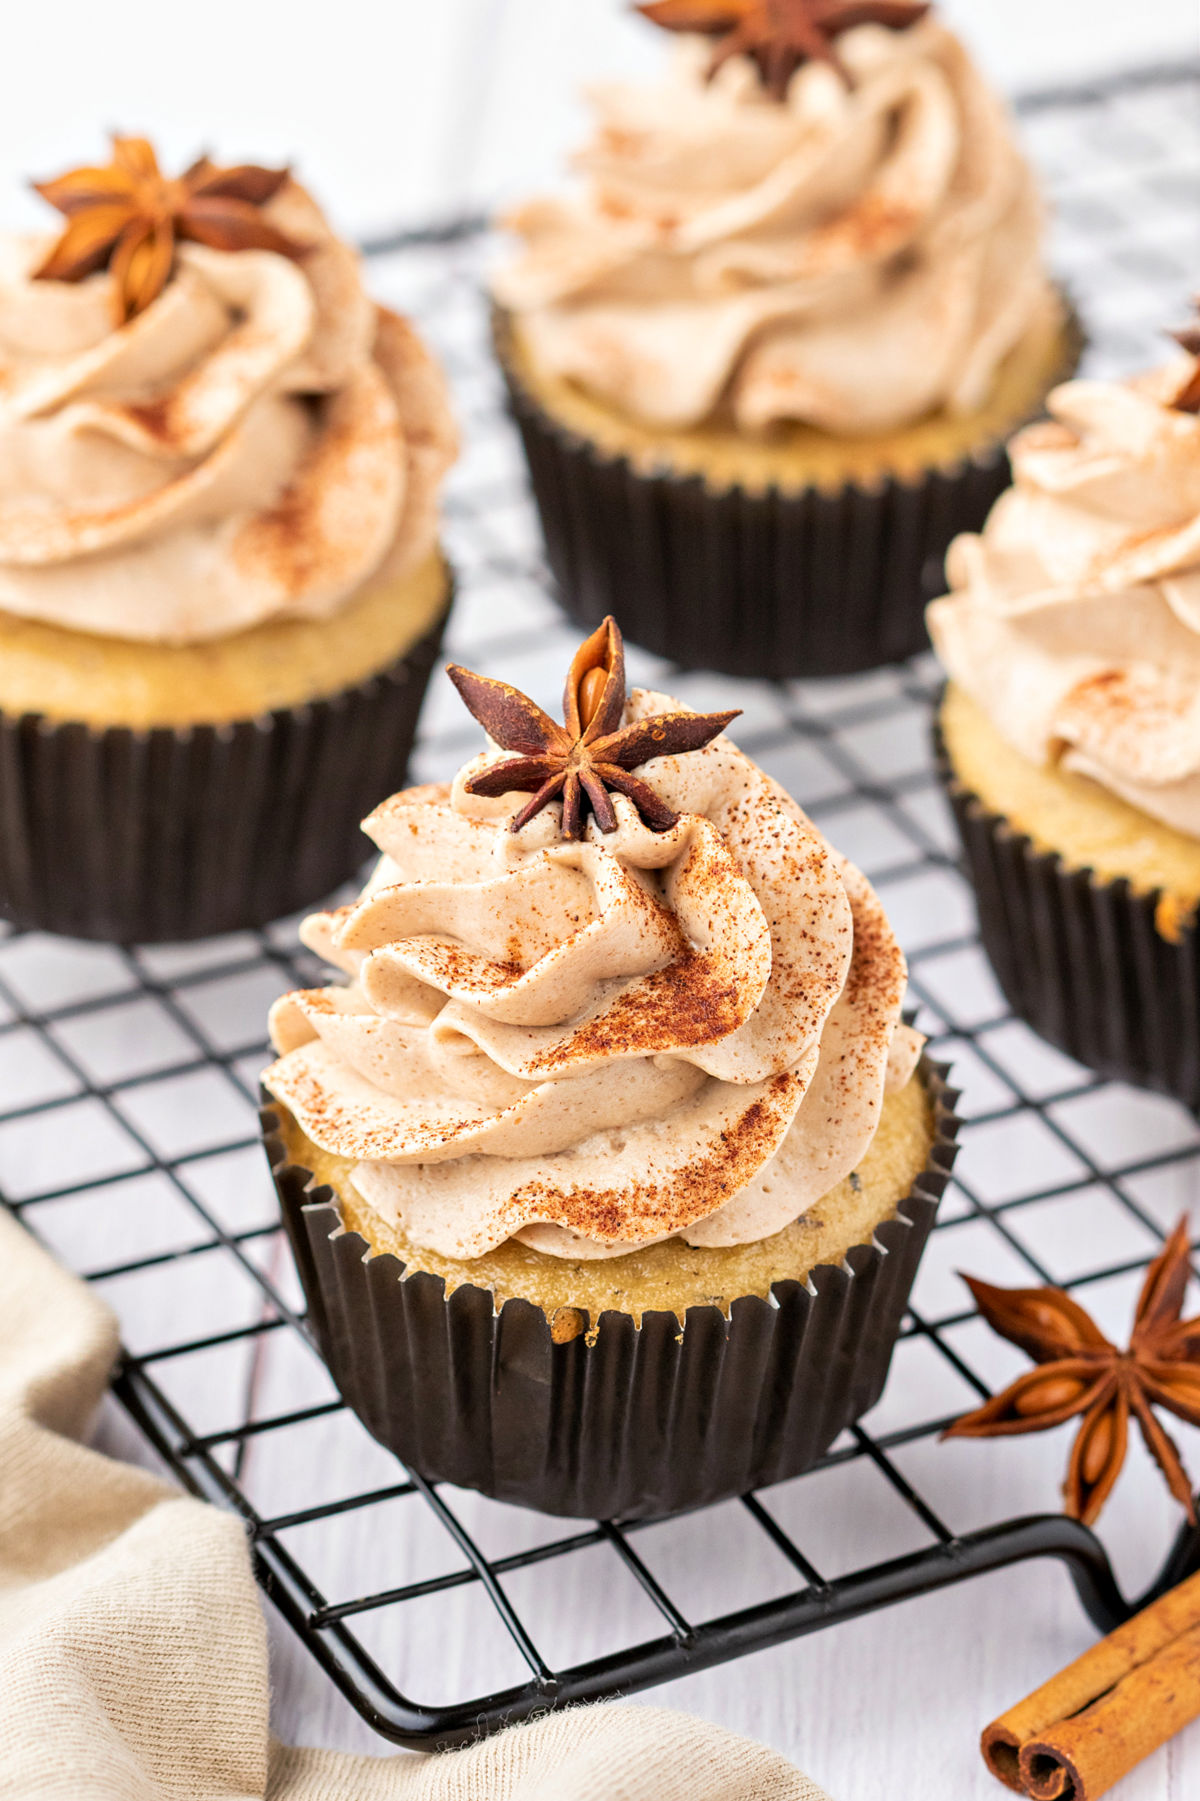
point(128, 1139)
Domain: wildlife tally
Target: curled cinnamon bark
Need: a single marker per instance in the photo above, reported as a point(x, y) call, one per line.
point(1078, 1734)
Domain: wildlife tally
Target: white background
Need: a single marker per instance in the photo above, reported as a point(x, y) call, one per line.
point(402, 109)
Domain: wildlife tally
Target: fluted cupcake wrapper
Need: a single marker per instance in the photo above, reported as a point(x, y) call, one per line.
point(1080, 959)
point(643, 1419)
point(811, 582)
point(169, 834)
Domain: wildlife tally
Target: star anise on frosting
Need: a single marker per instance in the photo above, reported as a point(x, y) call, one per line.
point(778, 35)
point(1188, 398)
point(1080, 1374)
point(588, 759)
point(128, 216)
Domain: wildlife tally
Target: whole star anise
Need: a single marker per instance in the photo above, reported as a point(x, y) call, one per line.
point(589, 759)
point(1188, 398)
point(128, 215)
point(1081, 1374)
point(778, 35)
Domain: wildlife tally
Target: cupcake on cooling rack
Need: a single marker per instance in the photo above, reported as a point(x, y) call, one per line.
point(220, 588)
point(608, 1170)
point(765, 361)
point(1070, 726)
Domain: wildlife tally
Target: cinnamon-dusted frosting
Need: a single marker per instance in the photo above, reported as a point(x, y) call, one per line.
point(1074, 620)
point(855, 257)
point(595, 1046)
point(259, 443)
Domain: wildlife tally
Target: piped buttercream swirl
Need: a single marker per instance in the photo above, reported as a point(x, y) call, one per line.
point(1074, 620)
point(596, 1046)
point(259, 443)
point(855, 257)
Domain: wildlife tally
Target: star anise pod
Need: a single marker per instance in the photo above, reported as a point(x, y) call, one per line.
point(1188, 398)
point(128, 216)
point(778, 35)
point(589, 759)
point(1080, 1374)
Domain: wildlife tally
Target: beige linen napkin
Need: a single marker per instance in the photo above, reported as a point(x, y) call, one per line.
point(133, 1652)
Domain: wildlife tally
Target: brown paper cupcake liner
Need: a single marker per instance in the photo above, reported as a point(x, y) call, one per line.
point(170, 834)
point(640, 1420)
point(777, 584)
point(1082, 960)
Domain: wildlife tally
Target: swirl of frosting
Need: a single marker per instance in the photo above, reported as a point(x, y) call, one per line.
point(1074, 620)
point(855, 257)
point(259, 443)
point(594, 1046)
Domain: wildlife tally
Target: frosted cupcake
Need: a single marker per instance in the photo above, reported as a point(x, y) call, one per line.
point(765, 359)
point(220, 588)
point(609, 1166)
point(1071, 724)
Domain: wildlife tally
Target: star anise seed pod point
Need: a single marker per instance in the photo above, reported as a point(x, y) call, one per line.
point(128, 216)
point(588, 759)
point(778, 35)
point(1079, 1372)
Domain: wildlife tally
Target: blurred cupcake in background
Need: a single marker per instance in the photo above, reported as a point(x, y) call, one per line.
point(220, 587)
point(1070, 727)
point(765, 358)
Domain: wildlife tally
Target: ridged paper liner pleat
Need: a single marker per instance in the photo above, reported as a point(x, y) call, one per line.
point(646, 1419)
point(1080, 959)
point(169, 834)
point(778, 583)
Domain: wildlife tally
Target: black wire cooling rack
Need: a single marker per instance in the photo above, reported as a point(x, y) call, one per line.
point(128, 1144)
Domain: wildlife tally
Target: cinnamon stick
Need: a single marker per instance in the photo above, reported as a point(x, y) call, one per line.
point(1078, 1734)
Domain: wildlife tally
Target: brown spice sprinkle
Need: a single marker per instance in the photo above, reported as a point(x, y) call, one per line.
point(650, 1208)
point(697, 998)
point(1122, 710)
point(297, 539)
point(155, 417)
point(688, 1002)
point(328, 1116)
point(165, 418)
point(463, 971)
point(875, 985)
point(872, 225)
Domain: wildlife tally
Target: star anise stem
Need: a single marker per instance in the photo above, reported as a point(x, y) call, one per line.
point(778, 35)
point(1080, 1372)
point(591, 757)
point(127, 217)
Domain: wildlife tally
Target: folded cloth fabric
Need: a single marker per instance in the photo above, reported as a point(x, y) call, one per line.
point(133, 1652)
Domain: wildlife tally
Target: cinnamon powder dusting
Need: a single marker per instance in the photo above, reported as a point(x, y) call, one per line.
point(651, 1208)
point(688, 1002)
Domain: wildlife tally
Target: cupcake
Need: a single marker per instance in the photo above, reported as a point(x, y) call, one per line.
point(608, 1168)
point(1070, 726)
point(765, 361)
point(220, 588)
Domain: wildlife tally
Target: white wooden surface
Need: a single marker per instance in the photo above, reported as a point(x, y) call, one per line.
point(401, 111)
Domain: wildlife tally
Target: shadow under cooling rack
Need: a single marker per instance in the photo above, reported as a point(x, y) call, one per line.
point(128, 1140)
